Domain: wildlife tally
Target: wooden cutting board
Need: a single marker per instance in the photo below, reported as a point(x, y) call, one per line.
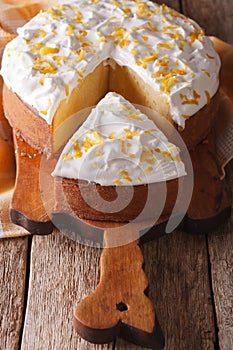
point(209, 206)
point(119, 305)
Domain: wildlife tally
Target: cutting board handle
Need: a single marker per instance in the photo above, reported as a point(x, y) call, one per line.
point(119, 306)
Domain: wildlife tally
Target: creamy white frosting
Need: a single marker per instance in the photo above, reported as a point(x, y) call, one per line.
point(119, 145)
point(57, 48)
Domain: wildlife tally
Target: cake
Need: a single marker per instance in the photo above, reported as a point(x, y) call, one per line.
point(67, 58)
point(117, 164)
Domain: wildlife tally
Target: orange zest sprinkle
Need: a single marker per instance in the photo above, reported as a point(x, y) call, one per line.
point(185, 116)
point(67, 89)
point(182, 43)
point(70, 29)
point(42, 32)
point(168, 79)
point(141, 9)
point(150, 57)
point(90, 142)
point(165, 45)
point(210, 57)
point(131, 155)
point(148, 170)
point(81, 55)
point(168, 82)
point(78, 16)
point(117, 182)
point(206, 73)
point(78, 153)
point(207, 96)
point(36, 47)
point(147, 156)
point(112, 135)
point(124, 42)
point(83, 32)
point(125, 175)
point(45, 111)
point(134, 51)
point(123, 146)
point(134, 116)
point(86, 44)
point(41, 81)
point(151, 27)
point(145, 38)
point(44, 66)
point(192, 101)
point(130, 134)
point(193, 36)
point(160, 73)
point(46, 50)
point(58, 59)
point(126, 10)
point(120, 34)
point(167, 154)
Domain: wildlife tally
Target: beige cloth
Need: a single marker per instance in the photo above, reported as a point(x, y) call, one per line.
point(14, 13)
point(224, 124)
point(7, 229)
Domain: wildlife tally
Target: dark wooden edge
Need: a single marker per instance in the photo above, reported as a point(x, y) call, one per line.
point(82, 232)
point(153, 233)
point(34, 227)
point(77, 230)
point(96, 336)
point(197, 226)
point(154, 340)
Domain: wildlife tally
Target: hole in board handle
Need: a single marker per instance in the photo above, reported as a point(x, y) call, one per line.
point(121, 307)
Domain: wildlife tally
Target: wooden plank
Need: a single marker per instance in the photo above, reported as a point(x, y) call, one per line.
point(213, 15)
point(62, 273)
point(13, 262)
point(221, 259)
point(177, 269)
point(172, 3)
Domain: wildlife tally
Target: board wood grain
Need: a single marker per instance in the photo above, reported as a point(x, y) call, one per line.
point(214, 16)
point(62, 273)
point(220, 244)
point(221, 257)
point(31, 174)
point(172, 3)
point(177, 269)
point(13, 263)
point(119, 306)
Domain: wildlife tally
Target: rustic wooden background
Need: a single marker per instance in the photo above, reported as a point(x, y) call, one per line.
point(191, 277)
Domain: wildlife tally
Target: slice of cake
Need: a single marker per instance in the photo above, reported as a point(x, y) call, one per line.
point(115, 161)
point(68, 58)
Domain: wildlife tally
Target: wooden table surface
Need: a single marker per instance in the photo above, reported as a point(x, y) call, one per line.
point(42, 278)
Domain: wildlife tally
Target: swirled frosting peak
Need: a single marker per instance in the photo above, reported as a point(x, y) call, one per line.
point(118, 145)
point(56, 49)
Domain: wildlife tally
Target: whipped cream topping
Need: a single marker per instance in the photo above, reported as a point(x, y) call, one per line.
point(56, 49)
point(119, 145)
